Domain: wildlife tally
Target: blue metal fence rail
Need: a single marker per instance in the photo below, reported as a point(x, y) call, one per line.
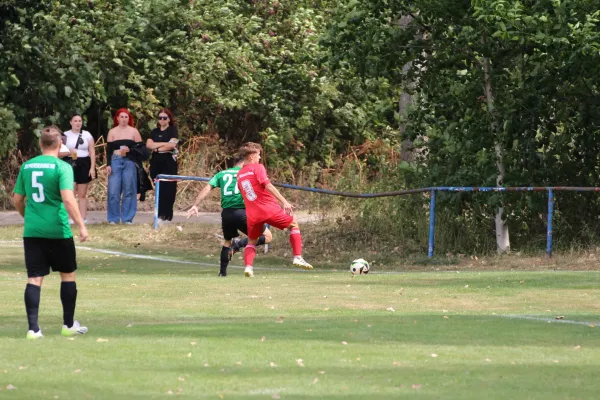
point(431, 190)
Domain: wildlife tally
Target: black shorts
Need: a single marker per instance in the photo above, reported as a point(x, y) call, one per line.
point(81, 170)
point(234, 220)
point(41, 254)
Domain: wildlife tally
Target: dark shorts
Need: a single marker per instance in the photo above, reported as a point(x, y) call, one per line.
point(81, 170)
point(234, 220)
point(43, 254)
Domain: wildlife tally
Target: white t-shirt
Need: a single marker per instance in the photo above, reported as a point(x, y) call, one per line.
point(63, 149)
point(83, 149)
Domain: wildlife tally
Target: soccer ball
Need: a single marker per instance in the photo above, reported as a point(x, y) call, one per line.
point(359, 266)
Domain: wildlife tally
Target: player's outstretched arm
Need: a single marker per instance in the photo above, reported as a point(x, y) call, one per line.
point(284, 203)
point(19, 201)
point(201, 196)
point(70, 203)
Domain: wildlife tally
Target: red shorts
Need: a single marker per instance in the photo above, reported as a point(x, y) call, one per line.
point(279, 220)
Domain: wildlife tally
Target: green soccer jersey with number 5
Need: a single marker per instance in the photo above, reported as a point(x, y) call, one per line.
point(40, 180)
point(226, 180)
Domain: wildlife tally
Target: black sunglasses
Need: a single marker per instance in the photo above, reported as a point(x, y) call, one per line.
point(164, 118)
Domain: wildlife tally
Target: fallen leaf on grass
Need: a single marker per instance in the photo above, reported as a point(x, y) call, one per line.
point(123, 270)
point(446, 317)
point(300, 362)
point(555, 361)
point(77, 371)
point(206, 364)
point(344, 343)
point(189, 355)
point(22, 367)
point(560, 317)
point(181, 379)
point(262, 339)
point(10, 387)
point(488, 360)
point(238, 363)
point(315, 380)
point(179, 228)
point(396, 363)
point(591, 325)
point(321, 372)
point(193, 343)
point(577, 347)
point(434, 355)
point(129, 326)
point(390, 309)
point(100, 340)
point(272, 364)
point(416, 386)
point(276, 396)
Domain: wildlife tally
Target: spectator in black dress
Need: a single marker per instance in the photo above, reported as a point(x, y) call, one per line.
point(163, 144)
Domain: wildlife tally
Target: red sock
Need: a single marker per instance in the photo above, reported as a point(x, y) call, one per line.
point(296, 241)
point(249, 254)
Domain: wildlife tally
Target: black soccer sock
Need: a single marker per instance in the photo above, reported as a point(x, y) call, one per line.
point(32, 305)
point(68, 297)
point(244, 242)
point(224, 260)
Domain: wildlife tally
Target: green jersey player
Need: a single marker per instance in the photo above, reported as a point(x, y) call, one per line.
point(44, 196)
point(233, 216)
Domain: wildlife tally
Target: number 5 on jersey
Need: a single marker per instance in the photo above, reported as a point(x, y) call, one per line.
point(38, 197)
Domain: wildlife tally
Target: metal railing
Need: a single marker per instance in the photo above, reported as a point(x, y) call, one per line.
point(431, 190)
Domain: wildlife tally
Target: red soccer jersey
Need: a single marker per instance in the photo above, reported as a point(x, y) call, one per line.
point(260, 204)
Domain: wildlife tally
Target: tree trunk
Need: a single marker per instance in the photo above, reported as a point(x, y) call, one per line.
point(502, 238)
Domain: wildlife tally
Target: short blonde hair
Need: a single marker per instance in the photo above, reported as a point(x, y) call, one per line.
point(248, 149)
point(51, 137)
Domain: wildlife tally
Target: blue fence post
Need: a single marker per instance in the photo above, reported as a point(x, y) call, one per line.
point(431, 223)
point(156, 197)
point(549, 228)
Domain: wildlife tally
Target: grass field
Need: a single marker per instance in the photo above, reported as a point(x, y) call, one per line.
point(162, 328)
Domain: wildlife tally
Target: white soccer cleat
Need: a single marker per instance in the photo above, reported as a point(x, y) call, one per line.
point(301, 262)
point(249, 272)
point(31, 335)
point(75, 330)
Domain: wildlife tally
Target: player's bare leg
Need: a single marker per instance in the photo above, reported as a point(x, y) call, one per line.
point(32, 306)
point(68, 297)
point(296, 242)
point(237, 244)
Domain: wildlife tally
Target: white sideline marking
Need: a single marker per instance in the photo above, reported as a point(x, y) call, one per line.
point(548, 320)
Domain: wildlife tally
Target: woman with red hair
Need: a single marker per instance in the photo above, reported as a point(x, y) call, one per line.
point(122, 171)
point(163, 144)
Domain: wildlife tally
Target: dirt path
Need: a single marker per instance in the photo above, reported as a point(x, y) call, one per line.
point(143, 217)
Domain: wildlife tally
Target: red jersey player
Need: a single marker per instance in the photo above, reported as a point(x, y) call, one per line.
point(264, 205)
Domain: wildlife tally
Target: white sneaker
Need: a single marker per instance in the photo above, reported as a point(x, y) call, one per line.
point(75, 330)
point(301, 262)
point(31, 335)
point(249, 272)
point(71, 222)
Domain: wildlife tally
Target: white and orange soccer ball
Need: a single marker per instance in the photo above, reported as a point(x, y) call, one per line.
point(359, 266)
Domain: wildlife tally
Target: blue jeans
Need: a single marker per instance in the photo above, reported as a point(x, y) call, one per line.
point(122, 181)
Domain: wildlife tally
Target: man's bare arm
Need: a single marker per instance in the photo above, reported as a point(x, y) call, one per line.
point(19, 201)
